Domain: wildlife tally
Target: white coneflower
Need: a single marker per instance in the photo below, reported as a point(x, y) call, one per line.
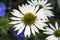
point(28, 19)
point(41, 3)
point(54, 32)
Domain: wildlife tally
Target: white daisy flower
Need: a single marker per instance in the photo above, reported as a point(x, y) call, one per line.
point(54, 32)
point(28, 19)
point(41, 3)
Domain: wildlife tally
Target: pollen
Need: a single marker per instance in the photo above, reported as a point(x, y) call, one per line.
point(57, 33)
point(29, 18)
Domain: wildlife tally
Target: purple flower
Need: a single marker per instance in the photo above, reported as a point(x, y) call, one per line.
point(2, 9)
point(19, 37)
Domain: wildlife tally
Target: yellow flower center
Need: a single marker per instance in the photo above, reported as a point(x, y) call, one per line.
point(57, 33)
point(29, 18)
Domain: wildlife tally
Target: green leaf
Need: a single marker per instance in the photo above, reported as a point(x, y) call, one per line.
point(4, 24)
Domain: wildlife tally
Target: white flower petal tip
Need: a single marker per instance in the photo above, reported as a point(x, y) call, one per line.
point(56, 24)
point(13, 23)
point(16, 13)
point(20, 31)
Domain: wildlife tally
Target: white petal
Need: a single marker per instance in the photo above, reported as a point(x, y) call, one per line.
point(33, 32)
point(30, 3)
point(18, 26)
point(56, 25)
point(16, 13)
point(27, 31)
point(40, 12)
point(49, 13)
point(31, 8)
point(40, 23)
point(41, 15)
point(44, 19)
point(35, 29)
point(44, 2)
point(40, 26)
point(15, 22)
point(14, 18)
point(28, 8)
point(36, 9)
point(49, 7)
point(39, 1)
point(52, 26)
point(48, 4)
point(52, 37)
point(21, 29)
point(33, 1)
point(22, 9)
point(49, 30)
